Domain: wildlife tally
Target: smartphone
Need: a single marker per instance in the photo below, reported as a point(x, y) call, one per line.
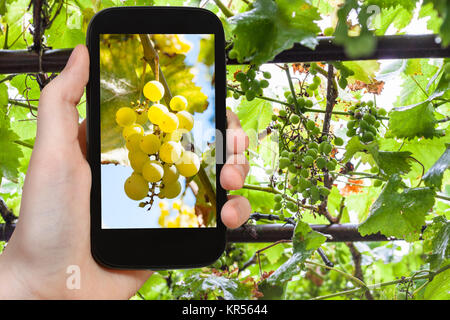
point(156, 125)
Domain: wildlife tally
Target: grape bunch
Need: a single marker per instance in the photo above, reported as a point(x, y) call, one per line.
point(364, 121)
point(250, 85)
point(344, 73)
point(185, 216)
point(304, 158)
point(157, 157)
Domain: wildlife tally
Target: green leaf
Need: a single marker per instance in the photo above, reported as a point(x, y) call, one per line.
point(399, 214)
point(386, 4)
point(255, 116)
point(355, 46)
point(271, 27)
point(393, 162)
point(354, 146)
point(443, 9)
point(364, 70)
point(413, 121)
point(437, 242)
point(197, 285)
point(433, 177)
point(439, 288)
point(10, 151)
point(305, 242)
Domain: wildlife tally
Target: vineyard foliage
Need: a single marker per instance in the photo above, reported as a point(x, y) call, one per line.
point(361, 141)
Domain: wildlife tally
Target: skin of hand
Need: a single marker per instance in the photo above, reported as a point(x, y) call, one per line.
point(53, 231)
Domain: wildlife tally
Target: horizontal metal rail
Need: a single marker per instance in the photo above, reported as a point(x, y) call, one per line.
point(388, 47)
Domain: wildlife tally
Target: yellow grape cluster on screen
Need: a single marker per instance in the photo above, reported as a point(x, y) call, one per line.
point(185, 216)
point(157, 156)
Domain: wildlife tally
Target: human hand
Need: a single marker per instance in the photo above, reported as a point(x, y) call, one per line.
point(53, 231)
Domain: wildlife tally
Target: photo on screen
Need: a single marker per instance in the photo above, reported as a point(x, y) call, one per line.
point(157, 120)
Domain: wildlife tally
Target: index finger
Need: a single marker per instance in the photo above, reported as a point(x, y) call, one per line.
point(237, 139)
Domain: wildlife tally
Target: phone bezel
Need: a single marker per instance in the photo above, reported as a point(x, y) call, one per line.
point(153, 248)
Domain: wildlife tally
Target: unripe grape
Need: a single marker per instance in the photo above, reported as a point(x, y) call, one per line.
point(285, 154)
point(264, 83)
point(367, 137)
point(278, 198)
point(382, 112)
point(152, 171)
point(338, 141)
point(313, 145)
point(292, 168)
point(240, 76)
point(267, 75)
point(307, 161)
point(232, 54)
point(377, 183)
point(150, 144)
point(284, 163)
point(251, 73)
point(169, 122)
point(331, 165)
point(277, 206)
point(363, 124)
point(245, 85)
point(236, 95)
point(282, 113)
point(189, 164)
point(326, 147)
point(316, 131)
point(303, 183)
point(141, 118)
point(154, 91)
point(156, 112)
point(178, 103)
point(133, 142)
point(250, 95)
point(171, 190)
point(136, 187)
point(310, 125)
point(304, 173)
point(131, 130)
point(295, 119)
point(308, 103)
point(170, 151)
point(125, 117)
point(351, 133)
point(291, 206)
point(186, 120)
point(312, 153)
point(342, 82)
point(137, 160)
point(321, 163)
point(170, 174)
point(294, 181)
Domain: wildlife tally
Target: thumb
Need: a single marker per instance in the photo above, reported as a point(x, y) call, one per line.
point(57, 120)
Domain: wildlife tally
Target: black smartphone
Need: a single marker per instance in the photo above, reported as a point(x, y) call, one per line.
point(156, 125)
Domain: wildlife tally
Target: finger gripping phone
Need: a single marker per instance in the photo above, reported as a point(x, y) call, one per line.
point(156, 122)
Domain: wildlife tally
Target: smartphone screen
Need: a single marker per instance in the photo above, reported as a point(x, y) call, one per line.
point(157, 131)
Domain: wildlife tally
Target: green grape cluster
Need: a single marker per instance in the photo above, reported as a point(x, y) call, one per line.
point(364, 121)
point(302, 163)
point(344, 73)
point(157, 156)
point(250, 85)
point(233, 254)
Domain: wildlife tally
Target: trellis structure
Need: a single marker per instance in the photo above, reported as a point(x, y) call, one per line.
point(41, 60)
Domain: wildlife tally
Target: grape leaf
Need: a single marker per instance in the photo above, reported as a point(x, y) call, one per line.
point(255, 116)
point(364, 70)
point(10, 151)
point(355, 46)
point(398, 214)
point(437, 241)
point(433, 177)
point(271, 27)
point(439, 288)
point(392, 162)
point(305, 242)
point(197, 285)
point(417, 120)
point(443, 9)
point(398, 16)
point(386, 4)
point(354, 146)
